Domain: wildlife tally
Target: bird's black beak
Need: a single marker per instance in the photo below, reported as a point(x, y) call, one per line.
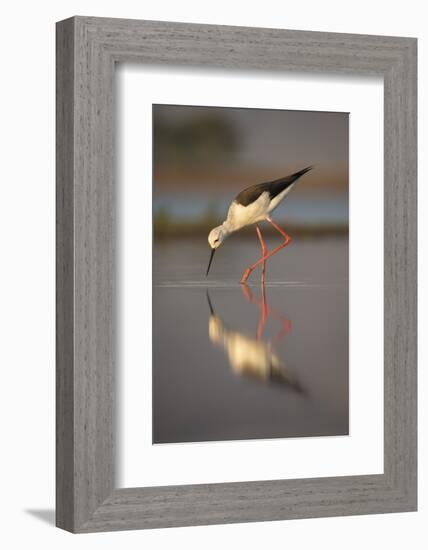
point(211, 259)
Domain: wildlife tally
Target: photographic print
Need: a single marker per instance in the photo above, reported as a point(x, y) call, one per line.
point(250, 273)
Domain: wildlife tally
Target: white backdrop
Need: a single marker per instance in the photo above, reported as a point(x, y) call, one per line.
point(140, 87)
point(27, 272)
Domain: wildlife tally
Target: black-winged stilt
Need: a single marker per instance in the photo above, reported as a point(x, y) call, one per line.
point(253, 205)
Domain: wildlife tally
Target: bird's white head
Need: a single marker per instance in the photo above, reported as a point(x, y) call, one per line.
point(217, 236)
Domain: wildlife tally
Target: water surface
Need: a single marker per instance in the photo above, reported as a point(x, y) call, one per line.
point(233, 362)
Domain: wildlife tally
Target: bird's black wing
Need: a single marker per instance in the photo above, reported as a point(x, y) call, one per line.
point(274, 188)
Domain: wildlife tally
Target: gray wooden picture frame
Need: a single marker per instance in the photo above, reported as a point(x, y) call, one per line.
point(87, 50)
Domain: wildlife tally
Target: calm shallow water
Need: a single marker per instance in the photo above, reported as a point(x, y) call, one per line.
point(234, 362)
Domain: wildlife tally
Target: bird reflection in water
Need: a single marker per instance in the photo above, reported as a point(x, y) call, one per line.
point(251, 356)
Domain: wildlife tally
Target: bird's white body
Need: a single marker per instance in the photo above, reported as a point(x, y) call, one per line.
point(239, 216)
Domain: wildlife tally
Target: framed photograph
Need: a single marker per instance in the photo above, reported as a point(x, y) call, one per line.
point(236, 274)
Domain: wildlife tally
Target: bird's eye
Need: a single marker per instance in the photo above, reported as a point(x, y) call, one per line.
point(216, 241)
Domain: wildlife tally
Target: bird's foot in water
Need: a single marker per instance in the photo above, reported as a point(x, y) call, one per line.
point(245, 276)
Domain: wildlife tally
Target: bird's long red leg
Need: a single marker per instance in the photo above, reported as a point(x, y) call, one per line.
point(264, 251)
point(287, 240)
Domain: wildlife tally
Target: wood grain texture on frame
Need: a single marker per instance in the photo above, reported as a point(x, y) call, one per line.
point(87, 50)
